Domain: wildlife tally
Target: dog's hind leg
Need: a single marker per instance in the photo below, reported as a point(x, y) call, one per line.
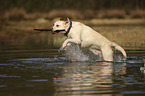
point(107, 53)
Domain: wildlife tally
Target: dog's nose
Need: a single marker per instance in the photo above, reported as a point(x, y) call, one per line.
point(51, 28)
point(52, 31)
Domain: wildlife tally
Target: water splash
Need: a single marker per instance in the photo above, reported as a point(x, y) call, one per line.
point(74, 53)
point(118, 58)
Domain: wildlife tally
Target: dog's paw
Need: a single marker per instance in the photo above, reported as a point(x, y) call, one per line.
point(61, 49)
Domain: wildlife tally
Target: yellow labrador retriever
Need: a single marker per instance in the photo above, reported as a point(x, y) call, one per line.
point(82, 34)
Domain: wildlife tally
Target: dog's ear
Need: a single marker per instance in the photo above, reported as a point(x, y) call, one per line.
point(57, 19)
point(61, 19)
point(67, 22)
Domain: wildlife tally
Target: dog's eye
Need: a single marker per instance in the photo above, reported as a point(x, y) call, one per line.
point(57, 25)
point(66, 23)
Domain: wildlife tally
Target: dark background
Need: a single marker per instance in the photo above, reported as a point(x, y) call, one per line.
point(47, 5)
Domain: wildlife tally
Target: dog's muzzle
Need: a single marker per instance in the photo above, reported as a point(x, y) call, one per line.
point(57, 31)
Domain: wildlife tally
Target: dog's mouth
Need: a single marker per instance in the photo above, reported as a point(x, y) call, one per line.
point(58, 31)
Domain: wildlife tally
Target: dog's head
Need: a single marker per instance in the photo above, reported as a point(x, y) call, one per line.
point(60, 26)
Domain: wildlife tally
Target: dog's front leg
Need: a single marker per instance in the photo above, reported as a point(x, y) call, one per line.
point(67, 41)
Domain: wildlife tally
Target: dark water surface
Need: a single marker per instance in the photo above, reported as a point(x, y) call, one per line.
point(47, 72)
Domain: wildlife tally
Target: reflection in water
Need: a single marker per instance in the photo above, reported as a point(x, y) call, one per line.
point(87, 79)
point(48, 73)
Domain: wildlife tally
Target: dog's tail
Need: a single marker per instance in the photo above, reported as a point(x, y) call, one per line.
point(119, 48)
